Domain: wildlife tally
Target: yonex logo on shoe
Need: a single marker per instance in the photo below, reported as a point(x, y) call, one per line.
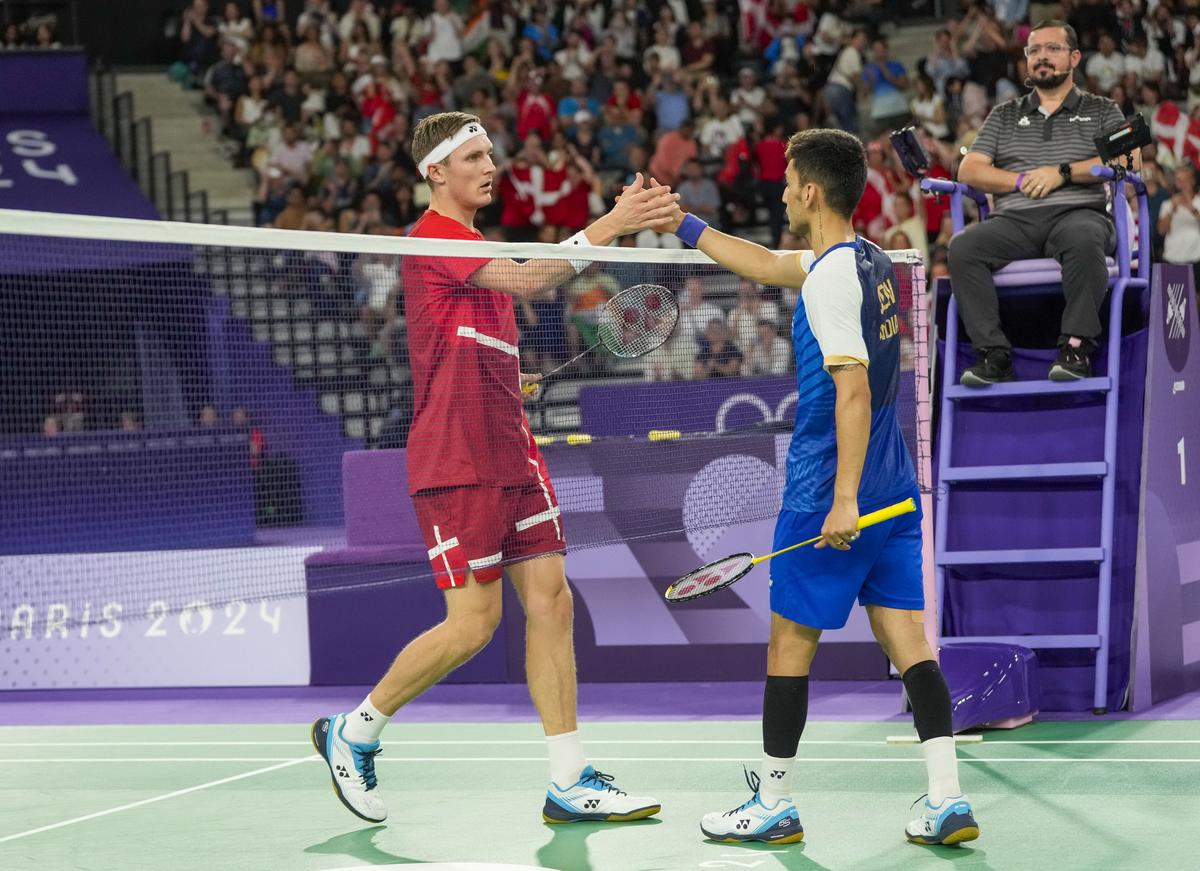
point(743, 824)
point(777, 775)
point(342, 772)
point(366, 716)
point(591, 803)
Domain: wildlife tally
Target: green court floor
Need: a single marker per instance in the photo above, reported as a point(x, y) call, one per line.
point(1090, 795)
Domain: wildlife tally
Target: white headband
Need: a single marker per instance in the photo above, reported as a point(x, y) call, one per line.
point(447, 146)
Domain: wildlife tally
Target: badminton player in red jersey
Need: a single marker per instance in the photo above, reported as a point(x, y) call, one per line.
point(478, 482)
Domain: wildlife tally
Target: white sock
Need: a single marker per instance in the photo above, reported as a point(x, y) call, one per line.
point(775, 779)
point(365, 723)
point(941, 762)
point(566, 758)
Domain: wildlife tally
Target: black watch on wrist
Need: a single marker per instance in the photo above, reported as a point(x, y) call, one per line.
point(1064, 169)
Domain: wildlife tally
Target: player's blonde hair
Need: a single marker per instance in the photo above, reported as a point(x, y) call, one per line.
point(434, 129)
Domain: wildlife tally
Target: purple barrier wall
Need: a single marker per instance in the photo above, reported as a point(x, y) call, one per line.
point(44, 82)
point(107, 492)
point(1167, 658)
point(51, 158)
point(629, 501)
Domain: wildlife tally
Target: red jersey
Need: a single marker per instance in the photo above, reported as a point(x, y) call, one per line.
point(469, 426)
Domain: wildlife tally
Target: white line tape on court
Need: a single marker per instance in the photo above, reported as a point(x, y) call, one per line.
point(542, 759)
point(540, 742)
point(157, 798)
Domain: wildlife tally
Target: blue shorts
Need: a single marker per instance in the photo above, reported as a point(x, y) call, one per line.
point(817, 588)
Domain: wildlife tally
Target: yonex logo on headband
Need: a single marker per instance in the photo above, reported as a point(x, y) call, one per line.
point(448, 145)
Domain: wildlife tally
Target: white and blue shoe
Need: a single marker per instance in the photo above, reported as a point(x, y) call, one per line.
point(951, 822)
point(754, 821)
point(352, 767)
point(594, 798)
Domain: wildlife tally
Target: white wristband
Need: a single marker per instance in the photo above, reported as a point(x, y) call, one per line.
point(579, 238)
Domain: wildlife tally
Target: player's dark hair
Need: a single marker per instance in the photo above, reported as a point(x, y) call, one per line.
point(833, 160)
point(1072, 37)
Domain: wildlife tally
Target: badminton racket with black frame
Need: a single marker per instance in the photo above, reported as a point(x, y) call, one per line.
point(719, 574)
point(633, 323)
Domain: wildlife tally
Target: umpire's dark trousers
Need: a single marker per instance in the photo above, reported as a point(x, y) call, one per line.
point(1078, 238)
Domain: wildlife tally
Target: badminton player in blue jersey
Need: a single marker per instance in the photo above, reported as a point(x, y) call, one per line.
point(847, 457)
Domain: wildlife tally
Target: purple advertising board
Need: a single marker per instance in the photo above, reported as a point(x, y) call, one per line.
point(1166, 661)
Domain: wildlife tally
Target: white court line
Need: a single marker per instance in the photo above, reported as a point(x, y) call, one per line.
point(589, 741)
point(157, 798)
point(912, 758)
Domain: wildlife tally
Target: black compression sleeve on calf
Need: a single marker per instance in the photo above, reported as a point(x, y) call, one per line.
point(785, 710)
point(929, 697)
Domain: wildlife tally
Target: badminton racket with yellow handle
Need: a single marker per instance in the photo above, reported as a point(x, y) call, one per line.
point(719, 574)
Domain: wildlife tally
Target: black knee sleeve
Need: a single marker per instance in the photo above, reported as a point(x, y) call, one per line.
point(785, 710)
point(929, 697)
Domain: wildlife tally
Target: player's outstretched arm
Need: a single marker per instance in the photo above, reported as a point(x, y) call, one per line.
point(748, 259)
point(639, 206)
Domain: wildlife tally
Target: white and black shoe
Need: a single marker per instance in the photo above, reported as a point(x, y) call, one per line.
point(595, 798)
point(755, 821)
point(352, 767)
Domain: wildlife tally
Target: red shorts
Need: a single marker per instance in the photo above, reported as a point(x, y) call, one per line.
point(482, 529)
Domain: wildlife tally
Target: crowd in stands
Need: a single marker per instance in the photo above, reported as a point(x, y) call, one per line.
point(702, 94)
point(36, 31)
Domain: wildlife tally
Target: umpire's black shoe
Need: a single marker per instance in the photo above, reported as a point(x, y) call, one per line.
point(1073, 364)
point(991, 365)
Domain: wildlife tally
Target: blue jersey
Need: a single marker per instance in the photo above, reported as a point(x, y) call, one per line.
point(848, 312)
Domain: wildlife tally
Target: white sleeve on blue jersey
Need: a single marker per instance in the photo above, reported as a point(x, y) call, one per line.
point(833, 300)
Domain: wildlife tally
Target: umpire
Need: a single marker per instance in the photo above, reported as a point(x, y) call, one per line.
point(1035, 155)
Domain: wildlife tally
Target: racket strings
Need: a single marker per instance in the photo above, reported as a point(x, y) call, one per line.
point(638, 320)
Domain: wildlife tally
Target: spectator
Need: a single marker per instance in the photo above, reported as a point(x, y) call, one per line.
point(198, 37)
point(718, 356)
point(292, 156)
point(225, 81)
point(985, 45)
point(378, 276)
point(841, 89)
point(750, 309)
point(887, 81)
point(578, 101)
point(240, 419)
point(314, 63)
point(668, 56)
point(359, 12)
point(672, 104)
point(770, 158)
point(1143, 64)
point(909, 221)
point(12, 37)
point(289, 98)
point(698, 52)
point(699, 194)
point(1046, 204)
point(473, 82)
point(535, 110)
point(694, 315)
point(944, 62)
point(130, 422)
point(929, 110)
point(1157, 195)
point(1179, 221)
point(769, 354)
point(574, 59)
point(444, 30)
point(236, 28)
point(1106, 68)
point(209, 417)
point(627, 101)
point(748, 97)
point(674, 149)
point(616, 137)
point(720, 131)
point(51, 426)
point(291, 216)
point(270, 10)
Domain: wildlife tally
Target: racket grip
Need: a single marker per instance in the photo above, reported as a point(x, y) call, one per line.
point(906, 507)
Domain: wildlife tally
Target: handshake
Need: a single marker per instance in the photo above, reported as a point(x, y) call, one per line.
point(645, 205)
